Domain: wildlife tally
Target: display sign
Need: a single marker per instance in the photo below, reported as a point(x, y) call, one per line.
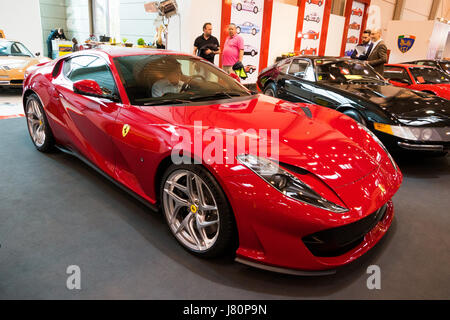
point(355, 23)
point(312, 27)
point(247, 15)
point(405, 43)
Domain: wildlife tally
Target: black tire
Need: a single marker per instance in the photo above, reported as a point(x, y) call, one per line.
point(253, 53)
point(227, 239)
point(355, 115)
point(255, 9)
point(318, 20)
point(238, 30)
point(271, 90)
point(307, 18)
point(254, 31)
point(49, 141)
point(239, 7)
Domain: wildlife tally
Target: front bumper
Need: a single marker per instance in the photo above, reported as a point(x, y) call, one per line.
point(427, 147)
point(272, 227)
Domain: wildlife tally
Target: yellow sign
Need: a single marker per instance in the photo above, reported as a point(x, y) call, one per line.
point(64, 49)
point(125, 130)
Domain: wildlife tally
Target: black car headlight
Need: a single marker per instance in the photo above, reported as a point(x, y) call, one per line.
point(409, 133)
point(286, 183)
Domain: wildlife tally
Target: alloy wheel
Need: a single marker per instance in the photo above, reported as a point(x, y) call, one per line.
point(191, 210)
point(36, 123)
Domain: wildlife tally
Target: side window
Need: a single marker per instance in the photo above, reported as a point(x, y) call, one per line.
point(284, 66)
point(90, 68)
point(298, 68)
point(396, 74)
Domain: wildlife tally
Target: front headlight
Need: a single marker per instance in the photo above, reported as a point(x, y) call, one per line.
point(410, 133)
point(286, 183)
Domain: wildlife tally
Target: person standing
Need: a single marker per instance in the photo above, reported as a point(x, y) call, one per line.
point(363, 49)
point(206, 45)
point(54, 34)
point(233, 50)
point(378, 56)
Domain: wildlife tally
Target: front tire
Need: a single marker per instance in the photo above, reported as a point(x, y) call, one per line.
point(238, 30)
point(38, 126)
point(197, 211)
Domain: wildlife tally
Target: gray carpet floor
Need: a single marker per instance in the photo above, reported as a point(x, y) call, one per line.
point(55, 211)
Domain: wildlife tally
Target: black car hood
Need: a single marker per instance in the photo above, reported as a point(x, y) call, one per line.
point(404, 104)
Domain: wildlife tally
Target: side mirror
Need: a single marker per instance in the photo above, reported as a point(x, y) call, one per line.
point(88, 88)
point(92, 88)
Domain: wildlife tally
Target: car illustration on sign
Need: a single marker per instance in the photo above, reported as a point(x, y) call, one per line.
point(246, 5)
point(354, 26)
point(312, 17)
point(406, 121)
point(106, 112)
point(309, 51)
point(250, 69)
point(248, 27)
point(357, 12)
point(316, 2)
point(352, 39)
point(250, 50)
point(311, 34)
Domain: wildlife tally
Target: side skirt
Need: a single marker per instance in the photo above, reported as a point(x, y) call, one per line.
point(153, 207)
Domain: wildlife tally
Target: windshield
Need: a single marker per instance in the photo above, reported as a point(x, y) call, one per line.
point(169, 79)
point(16, 49)
point(445, 65)
point(345, 71)
point(429, 76)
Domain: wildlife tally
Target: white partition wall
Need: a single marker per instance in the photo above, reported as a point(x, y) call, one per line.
point(282, 33)
point(193, 14)
point(334, 38)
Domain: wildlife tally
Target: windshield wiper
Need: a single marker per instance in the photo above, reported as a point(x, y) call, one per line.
point(161, 102)
point(216, 95)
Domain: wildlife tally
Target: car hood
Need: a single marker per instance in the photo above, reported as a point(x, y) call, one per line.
point(15, 62)
point(400, 102)
point(317, 139)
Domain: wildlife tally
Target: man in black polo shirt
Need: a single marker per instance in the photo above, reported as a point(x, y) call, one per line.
point(206, 45)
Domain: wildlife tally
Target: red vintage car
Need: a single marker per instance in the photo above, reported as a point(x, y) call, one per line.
point(352, 39)
point(357, 12)
point(311, 34)
point(316, 2)
point(420, 78)
point(163, 126)
point(309, 51)
point(354, 26)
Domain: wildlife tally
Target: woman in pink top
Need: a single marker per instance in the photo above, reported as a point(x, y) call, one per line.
point(233, 50)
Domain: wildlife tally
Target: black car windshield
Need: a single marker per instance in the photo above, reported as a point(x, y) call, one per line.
point(445, 65)
point(12, 48)
point(429, 75)
point(170, 79)
point(345, 71)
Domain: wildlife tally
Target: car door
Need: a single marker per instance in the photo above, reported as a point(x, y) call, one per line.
point(297, 82)
point(89, 119)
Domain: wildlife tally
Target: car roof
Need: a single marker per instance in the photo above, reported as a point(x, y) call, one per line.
point(115, 52)
point(322, 58)
point(407, 65)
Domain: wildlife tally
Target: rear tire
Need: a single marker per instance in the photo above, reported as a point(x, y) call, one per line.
point(271, 90)
point(37, 124)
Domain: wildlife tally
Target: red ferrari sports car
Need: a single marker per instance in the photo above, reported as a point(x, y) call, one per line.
point(318, 200)
point(309, 51)
point(357, 12)
point(311, 34)
point(420, 78)
point(352, 39)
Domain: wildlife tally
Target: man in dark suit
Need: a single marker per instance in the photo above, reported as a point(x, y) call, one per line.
point(378, 56)
point(364, 48)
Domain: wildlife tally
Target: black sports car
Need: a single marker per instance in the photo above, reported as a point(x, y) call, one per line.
point(403, 119)
point(443, 65)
